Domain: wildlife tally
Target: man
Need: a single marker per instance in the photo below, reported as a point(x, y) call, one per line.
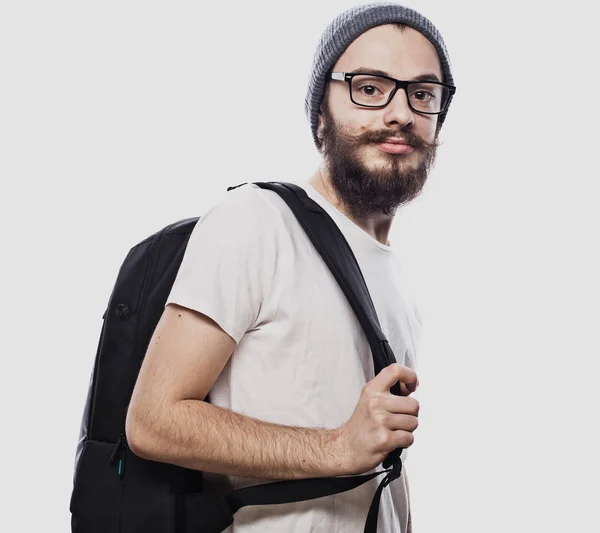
point(257, 324)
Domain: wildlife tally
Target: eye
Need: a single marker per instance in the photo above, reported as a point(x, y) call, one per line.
point(422, 96)
point(370, 90)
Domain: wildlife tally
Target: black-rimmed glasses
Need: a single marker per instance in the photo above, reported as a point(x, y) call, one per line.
point(373, 90)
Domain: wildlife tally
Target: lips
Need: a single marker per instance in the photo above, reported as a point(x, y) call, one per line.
point(395, 147)
point(396, 141)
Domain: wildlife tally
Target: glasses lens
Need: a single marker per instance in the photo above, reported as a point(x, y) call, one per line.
point(428, 97)
point(370, 90)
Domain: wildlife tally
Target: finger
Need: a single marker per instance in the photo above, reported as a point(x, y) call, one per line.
point(408, 388)
point(402, 422)
point(403, 439)
point(400, 405)
point(391, 375)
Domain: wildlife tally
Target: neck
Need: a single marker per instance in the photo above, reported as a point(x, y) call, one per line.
point(377, 226)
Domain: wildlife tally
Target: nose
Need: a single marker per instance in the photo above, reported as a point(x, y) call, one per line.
point(398, 111)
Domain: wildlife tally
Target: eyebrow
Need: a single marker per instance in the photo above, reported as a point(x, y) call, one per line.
point(421, 77)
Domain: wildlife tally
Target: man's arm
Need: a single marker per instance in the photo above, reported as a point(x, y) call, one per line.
point(168, 421)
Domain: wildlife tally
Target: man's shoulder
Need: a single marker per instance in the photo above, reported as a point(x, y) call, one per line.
point(246, 215)
point(246, 204)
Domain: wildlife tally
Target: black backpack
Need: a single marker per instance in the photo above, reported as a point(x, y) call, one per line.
point(114, 491)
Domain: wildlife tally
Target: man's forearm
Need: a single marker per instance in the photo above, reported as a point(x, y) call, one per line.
point(201, 436)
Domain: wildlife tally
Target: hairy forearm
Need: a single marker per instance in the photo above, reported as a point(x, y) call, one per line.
point(201, 436)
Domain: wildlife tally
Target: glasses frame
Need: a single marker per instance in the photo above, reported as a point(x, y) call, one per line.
point(400, 84)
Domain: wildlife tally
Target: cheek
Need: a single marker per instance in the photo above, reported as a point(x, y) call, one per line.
point(426, 128)
point(350, 120)
point(357, 125)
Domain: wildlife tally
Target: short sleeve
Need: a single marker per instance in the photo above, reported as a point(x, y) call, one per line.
point(229, 261)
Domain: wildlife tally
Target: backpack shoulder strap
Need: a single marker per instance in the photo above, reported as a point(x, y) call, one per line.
point(333, 247)
point(331, 244)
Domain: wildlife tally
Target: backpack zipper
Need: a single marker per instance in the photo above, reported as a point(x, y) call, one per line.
point(120, 451)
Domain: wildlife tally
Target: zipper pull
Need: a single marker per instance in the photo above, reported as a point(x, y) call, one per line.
point(119, 451)
point(124, 447)
point(121, 469)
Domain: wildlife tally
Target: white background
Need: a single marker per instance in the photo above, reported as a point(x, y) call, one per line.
point(118, 118)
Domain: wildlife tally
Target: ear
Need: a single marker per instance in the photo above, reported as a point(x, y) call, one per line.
point(320, 125)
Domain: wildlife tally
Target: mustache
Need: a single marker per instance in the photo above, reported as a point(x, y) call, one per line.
point(410, 137)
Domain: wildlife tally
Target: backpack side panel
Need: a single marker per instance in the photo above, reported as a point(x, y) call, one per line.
point(114, 370)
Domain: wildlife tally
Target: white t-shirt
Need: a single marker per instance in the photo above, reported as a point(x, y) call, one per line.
point(302, 358)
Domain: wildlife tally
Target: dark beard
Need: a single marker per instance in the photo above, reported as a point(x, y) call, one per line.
point(366, 192)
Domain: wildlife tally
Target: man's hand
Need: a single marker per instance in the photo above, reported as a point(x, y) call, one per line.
point(381, 421)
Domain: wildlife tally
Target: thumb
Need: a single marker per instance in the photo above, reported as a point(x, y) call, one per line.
point(390, 375)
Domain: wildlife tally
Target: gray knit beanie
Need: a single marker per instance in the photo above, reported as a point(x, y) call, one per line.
point(345, 28)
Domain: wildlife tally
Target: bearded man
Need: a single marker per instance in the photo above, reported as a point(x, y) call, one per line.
point(256, 323)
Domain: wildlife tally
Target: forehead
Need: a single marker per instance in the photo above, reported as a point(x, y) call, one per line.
point(403, 54)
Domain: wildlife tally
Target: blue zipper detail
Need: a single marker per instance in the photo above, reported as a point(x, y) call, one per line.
point(120, 450)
